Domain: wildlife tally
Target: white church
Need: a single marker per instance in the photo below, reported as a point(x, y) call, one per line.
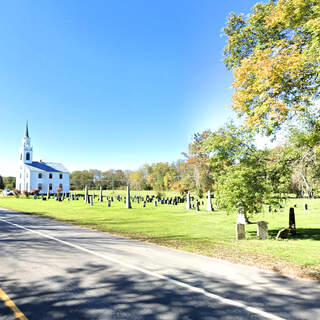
point(38, 174)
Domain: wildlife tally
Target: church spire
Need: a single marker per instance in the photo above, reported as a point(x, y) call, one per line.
point(26, 135)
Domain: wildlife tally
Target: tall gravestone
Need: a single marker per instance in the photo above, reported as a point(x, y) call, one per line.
point(188, 204)
point(86, 194)
point(209, 204)
point(292, 221)
point(128, 202)
point(100, 195)
point(241, 224)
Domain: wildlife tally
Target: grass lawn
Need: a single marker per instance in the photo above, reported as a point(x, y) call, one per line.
point(208, 233)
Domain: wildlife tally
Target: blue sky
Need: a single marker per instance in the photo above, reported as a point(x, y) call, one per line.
point(111, 84)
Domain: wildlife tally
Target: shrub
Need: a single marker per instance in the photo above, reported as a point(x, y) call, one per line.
point(25, 193)
point(35, 191)
point(16, 192)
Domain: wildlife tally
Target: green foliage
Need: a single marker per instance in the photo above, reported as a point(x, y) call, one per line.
point(1, 183)
point(275, 57)
point(9, 182)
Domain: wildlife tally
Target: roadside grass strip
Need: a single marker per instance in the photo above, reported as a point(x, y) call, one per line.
point(9, 303)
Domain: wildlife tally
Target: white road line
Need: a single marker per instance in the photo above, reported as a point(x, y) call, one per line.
point(157, 275)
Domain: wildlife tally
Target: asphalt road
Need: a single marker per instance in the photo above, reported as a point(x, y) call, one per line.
point(53, 270)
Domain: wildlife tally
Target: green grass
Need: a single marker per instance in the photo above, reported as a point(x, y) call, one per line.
point(208, 233)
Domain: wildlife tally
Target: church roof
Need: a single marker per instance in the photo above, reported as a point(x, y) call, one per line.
point(47, 166)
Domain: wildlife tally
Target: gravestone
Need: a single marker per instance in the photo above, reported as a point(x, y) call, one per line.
point(91, 200)
point(109, 203)
point(262, 230)
point(100, 195)
point(240, 231)
point(306, 206)
point(292, 221)
point(198, 206)
point(209, 204)
point(144, 204)
point(86, 194)
point(155, 203)
point(241, 223)
point(188, 204)
point(128, 202)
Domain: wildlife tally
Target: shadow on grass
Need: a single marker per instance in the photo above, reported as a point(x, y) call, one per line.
point(302, 234)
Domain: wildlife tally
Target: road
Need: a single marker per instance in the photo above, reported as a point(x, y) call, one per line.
point(54, 270)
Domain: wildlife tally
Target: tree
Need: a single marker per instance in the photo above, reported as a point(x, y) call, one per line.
point(275, 57)
point(9, 182)
point(198, 162)
point(239, 169)
point(1, 183)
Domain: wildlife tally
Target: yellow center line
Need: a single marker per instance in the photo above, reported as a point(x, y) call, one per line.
point(9, 303)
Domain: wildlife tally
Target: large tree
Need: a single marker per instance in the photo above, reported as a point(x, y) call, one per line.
point(275, 56)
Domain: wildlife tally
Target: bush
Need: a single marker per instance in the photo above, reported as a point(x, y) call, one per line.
point(16, 192)
point(35, 191)
point(25, 193)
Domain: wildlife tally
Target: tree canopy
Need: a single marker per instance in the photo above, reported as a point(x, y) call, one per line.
point(274, 53)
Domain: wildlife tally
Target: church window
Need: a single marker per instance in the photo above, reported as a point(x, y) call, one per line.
point(50, 186)
point(28, 156)
point(50, 175)
point(40, 175)
point(39, 186)
point(60, 175)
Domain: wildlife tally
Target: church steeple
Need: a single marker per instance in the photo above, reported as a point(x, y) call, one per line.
point(26, 135)
point(26, 149)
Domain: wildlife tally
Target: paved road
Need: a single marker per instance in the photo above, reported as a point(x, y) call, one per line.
point(53, 270)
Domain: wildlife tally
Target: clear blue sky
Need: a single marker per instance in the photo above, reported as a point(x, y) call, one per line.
point(111, 84)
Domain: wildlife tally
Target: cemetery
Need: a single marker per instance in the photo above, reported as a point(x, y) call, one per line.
point(281, 240)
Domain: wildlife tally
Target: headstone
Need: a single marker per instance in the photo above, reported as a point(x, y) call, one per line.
point(155, 203)
point(109, 203)
point(198, 206)
point(144, 204)
point(262, 230)
point(128, 202)
point(292, 221)
point(282, 234)
point(306, 206)
point(100, 195)
point(188, 204)
point(240, 231)
point(91, 201)
point(86, 194)
point(209, 204)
